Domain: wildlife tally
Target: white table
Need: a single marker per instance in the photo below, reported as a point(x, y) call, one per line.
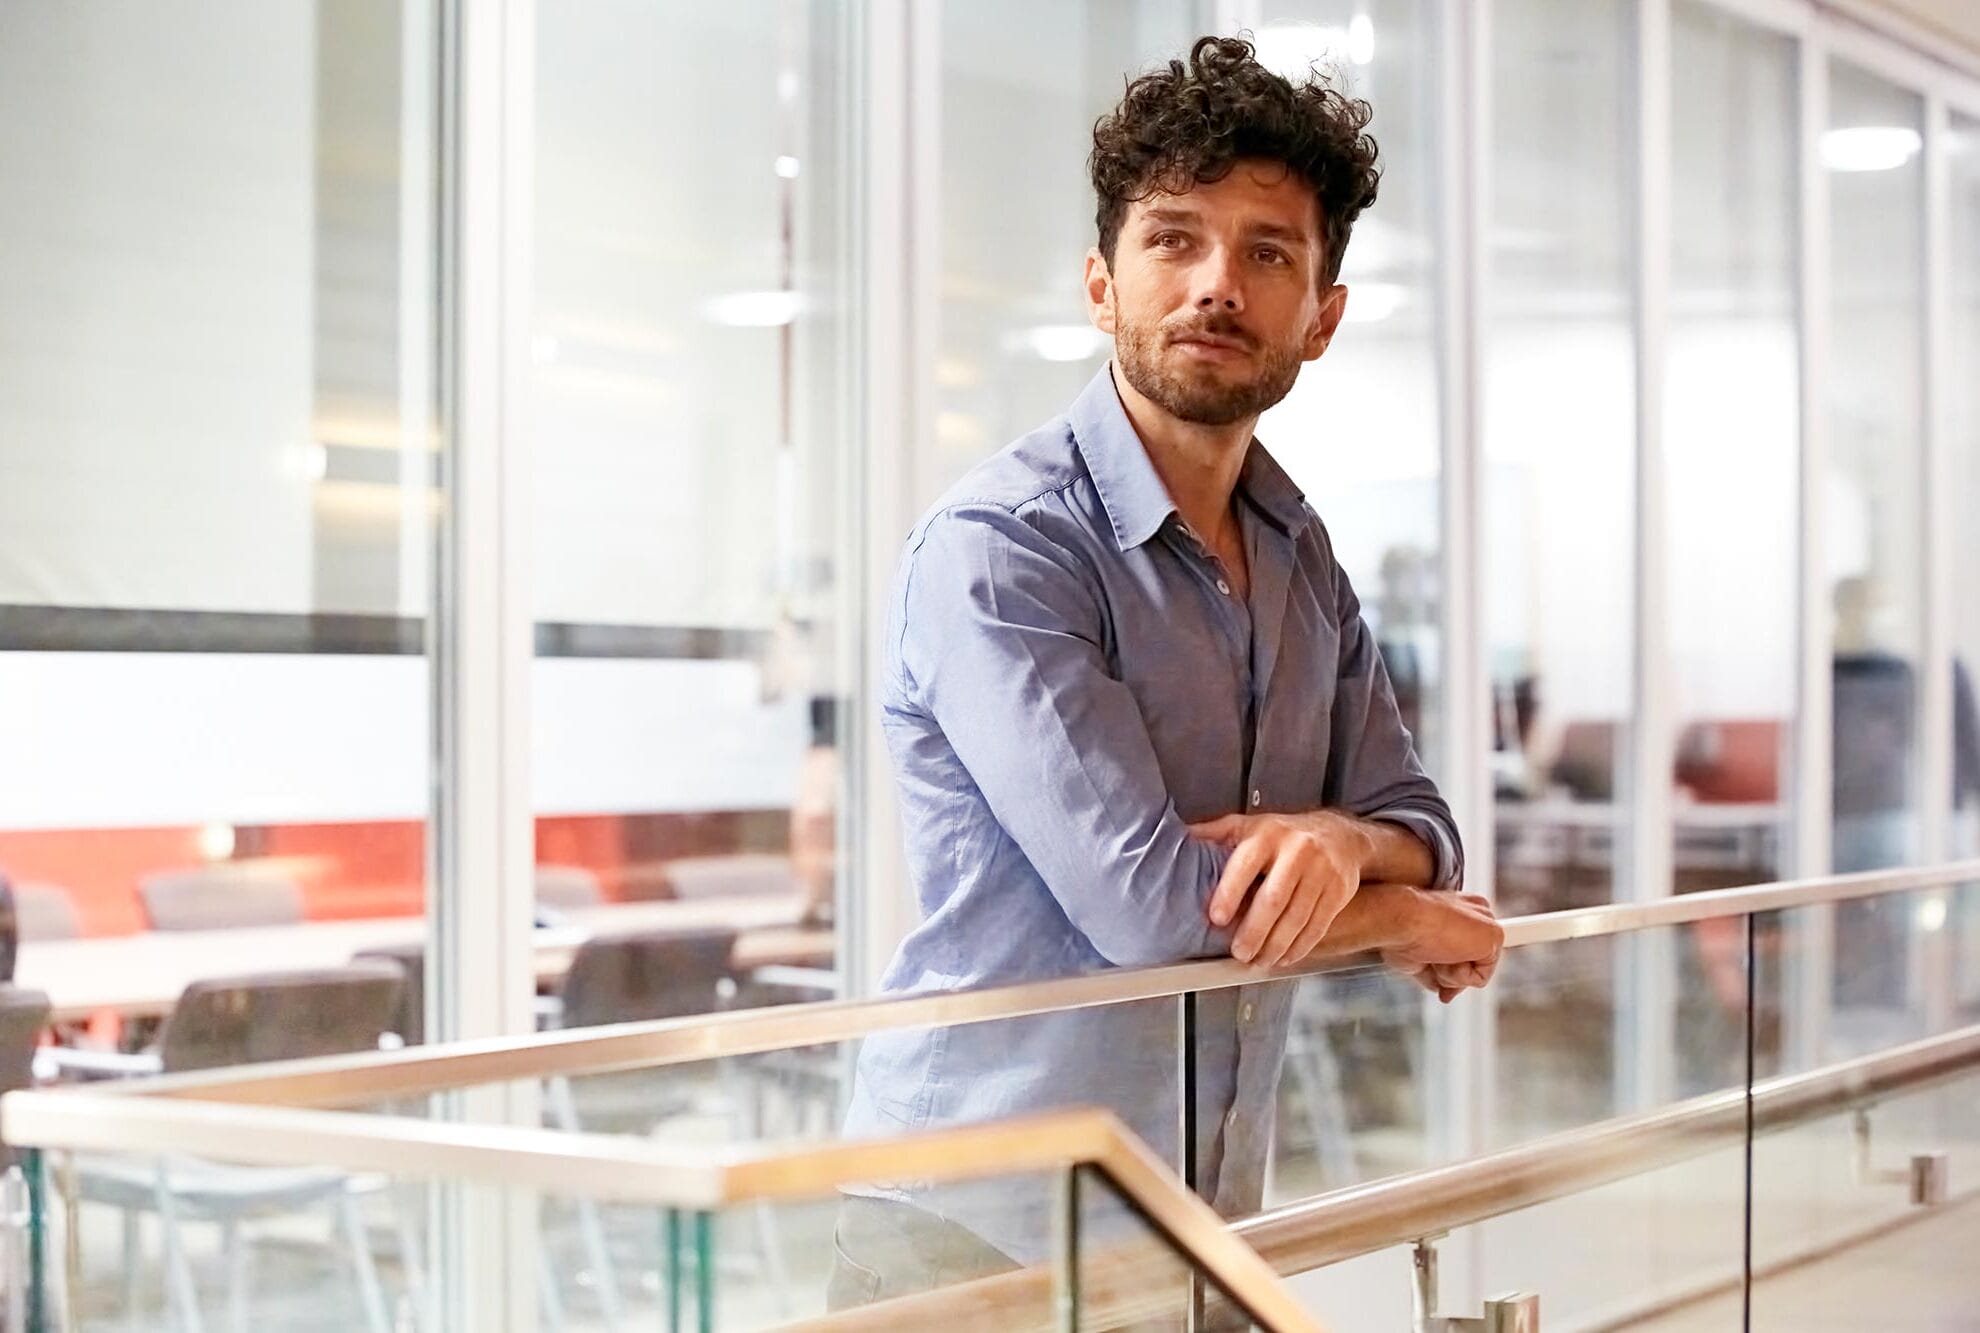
point(143, 975)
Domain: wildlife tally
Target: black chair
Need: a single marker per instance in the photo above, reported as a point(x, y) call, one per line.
point(10, 930)
point(235, 1021)
point(630, 978)
point(46, 912)
point(646, 975)
point(409, 1023)
point(227, 896)
point(24, 1016)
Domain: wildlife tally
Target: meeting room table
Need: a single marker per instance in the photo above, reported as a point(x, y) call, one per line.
point(143, 975)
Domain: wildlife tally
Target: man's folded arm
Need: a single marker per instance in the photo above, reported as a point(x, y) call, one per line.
point(1372, 768)
point(1001, 644)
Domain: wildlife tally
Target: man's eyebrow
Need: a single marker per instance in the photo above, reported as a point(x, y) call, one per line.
point(1277, 231)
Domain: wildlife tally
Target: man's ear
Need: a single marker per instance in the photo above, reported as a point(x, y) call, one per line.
point(1333, 304)
point(1099, 291)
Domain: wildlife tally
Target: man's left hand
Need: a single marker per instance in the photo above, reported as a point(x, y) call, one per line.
point(1311, 866)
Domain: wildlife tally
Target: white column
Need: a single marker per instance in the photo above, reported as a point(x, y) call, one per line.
point(898, 292)
point(481, 982)
point(1645, 1035)
point(1811, 946)
point(1462, 1039)
point(1933, 959)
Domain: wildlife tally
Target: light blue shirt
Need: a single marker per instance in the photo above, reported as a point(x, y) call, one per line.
point(1069, 681)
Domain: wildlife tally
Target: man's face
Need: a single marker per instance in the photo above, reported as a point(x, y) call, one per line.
point(1215, 297)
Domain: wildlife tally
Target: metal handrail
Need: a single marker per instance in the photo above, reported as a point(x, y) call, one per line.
point(1329, 1228)
point(385, 1076)
point(628, 1169)
point(1400, 1210)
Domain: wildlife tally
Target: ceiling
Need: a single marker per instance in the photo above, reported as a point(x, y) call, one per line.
point(1957, 20)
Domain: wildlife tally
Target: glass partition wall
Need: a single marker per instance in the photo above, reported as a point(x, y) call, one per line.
point(761, 284)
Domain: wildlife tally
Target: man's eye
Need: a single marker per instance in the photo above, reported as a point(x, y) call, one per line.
point(1267, 255)
point(1168, 240)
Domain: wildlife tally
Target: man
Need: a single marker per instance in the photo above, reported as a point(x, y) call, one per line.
point(1134, 712)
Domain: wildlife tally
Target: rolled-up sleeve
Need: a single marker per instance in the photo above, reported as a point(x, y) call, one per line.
point(1001, 643)
point(1372, 768)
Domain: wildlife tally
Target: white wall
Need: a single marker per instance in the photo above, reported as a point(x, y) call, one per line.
point(155, 299)
point(109, 740)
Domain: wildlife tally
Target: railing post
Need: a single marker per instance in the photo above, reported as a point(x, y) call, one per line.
point(1186, 1132)
point(1066, 1253)
point(1514, 1312)
point(1927, 1177)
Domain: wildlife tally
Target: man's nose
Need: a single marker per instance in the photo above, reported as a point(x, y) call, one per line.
point(1217, 285)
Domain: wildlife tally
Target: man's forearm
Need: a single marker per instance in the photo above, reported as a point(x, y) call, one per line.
point(1395, 855)
point(1378, 917)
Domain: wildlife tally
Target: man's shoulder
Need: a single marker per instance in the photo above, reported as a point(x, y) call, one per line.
point(1015, 484)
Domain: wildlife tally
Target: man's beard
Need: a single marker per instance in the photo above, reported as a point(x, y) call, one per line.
point(1200, 394)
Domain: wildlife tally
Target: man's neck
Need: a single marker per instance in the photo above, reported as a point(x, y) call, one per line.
point(1198, 464)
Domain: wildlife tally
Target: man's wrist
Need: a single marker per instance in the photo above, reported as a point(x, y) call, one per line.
point(1398, 908)
point(1395, 854)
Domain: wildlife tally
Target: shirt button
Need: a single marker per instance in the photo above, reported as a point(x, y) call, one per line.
point(1249, 1010)
point(1254, 798)
point(1223, 587)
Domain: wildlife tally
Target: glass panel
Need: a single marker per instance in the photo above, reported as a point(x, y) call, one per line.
point(1354, 1096)
point(217, 370)
point(1590, 1029)
point(1022, 84)
point(1732, 445)
point(1360, 430)
point(1891, 955)
point(1836, 1192)
point(1871, 495)
point(1583, 1026)
point(893, 1084)
point(216, 421)
point(137, 1242)
point(1559, 446)
point(690, 414)
point(1963, 166)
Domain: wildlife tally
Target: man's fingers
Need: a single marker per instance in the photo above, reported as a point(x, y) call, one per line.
point(1301, 908)
point(1244, 866)
point(1327, 906)
point(1421, 976)
point(1268, 906)
point(1226, 829)
point(1311, 934)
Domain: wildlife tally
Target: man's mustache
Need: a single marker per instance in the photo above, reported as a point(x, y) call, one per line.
point(1215, 326)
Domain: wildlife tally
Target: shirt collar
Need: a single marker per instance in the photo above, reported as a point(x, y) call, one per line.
point(1136, 501)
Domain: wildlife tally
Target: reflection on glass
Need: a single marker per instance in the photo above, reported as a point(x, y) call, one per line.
point(1559, 447)
point(1022, 84)
point(1818, 1194)
point(216, 406)
point(1872, 506)
point(1731, 446)
point(1871, 496)
point(1360, 431)
point(1353, 1097)
point(688, 311)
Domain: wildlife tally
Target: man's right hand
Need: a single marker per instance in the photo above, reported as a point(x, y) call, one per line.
point(1450, 943)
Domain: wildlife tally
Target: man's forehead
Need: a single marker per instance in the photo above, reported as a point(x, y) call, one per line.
point(1256, 193)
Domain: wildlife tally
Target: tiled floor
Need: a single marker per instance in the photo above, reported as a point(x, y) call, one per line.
point(1923, 1278)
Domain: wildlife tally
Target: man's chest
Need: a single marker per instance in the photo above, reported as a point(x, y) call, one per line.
point(1236, 692)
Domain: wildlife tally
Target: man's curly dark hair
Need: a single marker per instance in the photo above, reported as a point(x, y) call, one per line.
point(1188, 124)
